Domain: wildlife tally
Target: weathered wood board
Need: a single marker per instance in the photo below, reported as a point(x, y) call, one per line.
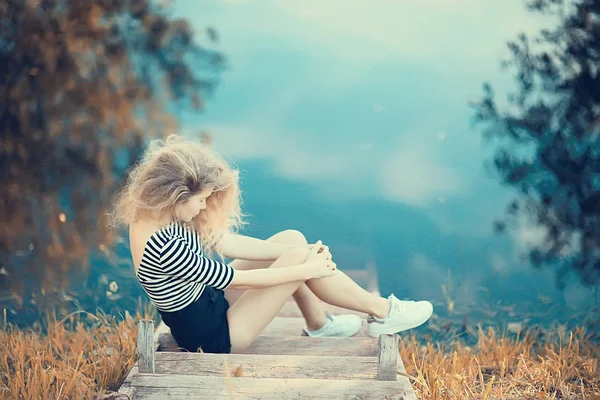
point(159, 387)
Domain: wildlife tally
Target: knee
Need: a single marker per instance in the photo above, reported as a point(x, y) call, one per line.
point(290, 236)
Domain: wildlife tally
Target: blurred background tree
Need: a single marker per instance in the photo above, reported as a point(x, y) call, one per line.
point(548, 137)
point(83, 85)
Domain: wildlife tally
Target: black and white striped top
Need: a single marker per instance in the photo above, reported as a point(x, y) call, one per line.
point(173, 270)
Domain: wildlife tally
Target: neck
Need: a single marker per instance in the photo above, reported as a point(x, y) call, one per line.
point(163, 220)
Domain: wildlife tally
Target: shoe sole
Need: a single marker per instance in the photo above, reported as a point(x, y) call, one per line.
point(388, 330)
point(358, 328)
point(331, 336)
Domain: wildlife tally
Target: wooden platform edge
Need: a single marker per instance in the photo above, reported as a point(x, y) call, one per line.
point(388, 361)
point(161, 386)
point(147, 326)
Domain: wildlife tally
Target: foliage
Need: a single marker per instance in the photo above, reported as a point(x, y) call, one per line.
point(548, 137)
point(84, 84)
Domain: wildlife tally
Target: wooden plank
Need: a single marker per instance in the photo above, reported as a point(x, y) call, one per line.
point(268, 366)
point(126, 389)
point(249, 369)
point(387, 359)
point(280, 326)
point(354, 346)
point(145, 345)
point(404, 380)
point(364, 347)
point(278, 345)
point(159, 387)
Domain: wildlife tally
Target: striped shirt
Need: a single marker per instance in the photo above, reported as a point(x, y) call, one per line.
point(173, 270)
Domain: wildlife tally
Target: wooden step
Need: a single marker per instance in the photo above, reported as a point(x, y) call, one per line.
point(292, 347)
point(267, 366)
point(282, 345)
point(354, 346)
point(280, 326)
point(177, 375)
point(162, 386)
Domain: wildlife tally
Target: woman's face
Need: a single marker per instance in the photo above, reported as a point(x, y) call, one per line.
point(192, 207)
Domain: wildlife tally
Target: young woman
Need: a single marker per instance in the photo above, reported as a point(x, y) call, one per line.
point(182, 200)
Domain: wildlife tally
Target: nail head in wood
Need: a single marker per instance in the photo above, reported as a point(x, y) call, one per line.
point(387, 358)
point(145, 346)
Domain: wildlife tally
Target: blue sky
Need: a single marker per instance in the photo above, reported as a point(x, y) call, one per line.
point(367, 100)
point(363, 98)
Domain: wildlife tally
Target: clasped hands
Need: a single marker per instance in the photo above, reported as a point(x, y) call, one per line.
point(319, 260)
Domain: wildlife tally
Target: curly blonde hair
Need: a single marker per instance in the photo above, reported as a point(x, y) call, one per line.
point(170, 172)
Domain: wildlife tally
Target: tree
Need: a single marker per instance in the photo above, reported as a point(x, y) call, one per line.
point(548, 137)
point(83, 84)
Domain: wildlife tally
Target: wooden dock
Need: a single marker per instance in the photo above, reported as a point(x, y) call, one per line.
point(280, 364)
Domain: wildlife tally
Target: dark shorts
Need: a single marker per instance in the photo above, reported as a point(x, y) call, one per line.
point(202, 324)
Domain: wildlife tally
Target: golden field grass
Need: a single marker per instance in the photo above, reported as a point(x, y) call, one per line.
point(72, 362)
point(68, 361)
point(505, 368)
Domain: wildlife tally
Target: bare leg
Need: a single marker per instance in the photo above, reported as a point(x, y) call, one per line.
point(255, 308)
point(309, 304)
point(245, 323)
point(340, 290)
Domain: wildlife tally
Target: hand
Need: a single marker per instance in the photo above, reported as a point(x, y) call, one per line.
point(322, 248)
point(319, 262)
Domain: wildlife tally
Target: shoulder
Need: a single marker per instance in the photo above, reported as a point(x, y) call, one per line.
point(148, 233)
point(143, 231)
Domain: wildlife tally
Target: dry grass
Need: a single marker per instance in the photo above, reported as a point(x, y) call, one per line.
point(504, 368)
point(69, 361)
point(73, 362)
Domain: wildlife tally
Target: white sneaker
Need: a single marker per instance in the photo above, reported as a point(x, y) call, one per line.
point(403, 315)
point(338, 326)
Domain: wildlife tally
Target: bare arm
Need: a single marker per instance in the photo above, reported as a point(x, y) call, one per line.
point(177, 259)
point(317, 265)
point(265, 277)
point(248, 248)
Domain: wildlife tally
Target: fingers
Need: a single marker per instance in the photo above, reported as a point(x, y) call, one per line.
point(318, 251)
point(320, 248)
point(332, 268)
point(325, 252)
point(319, 245)
point(315, 249)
